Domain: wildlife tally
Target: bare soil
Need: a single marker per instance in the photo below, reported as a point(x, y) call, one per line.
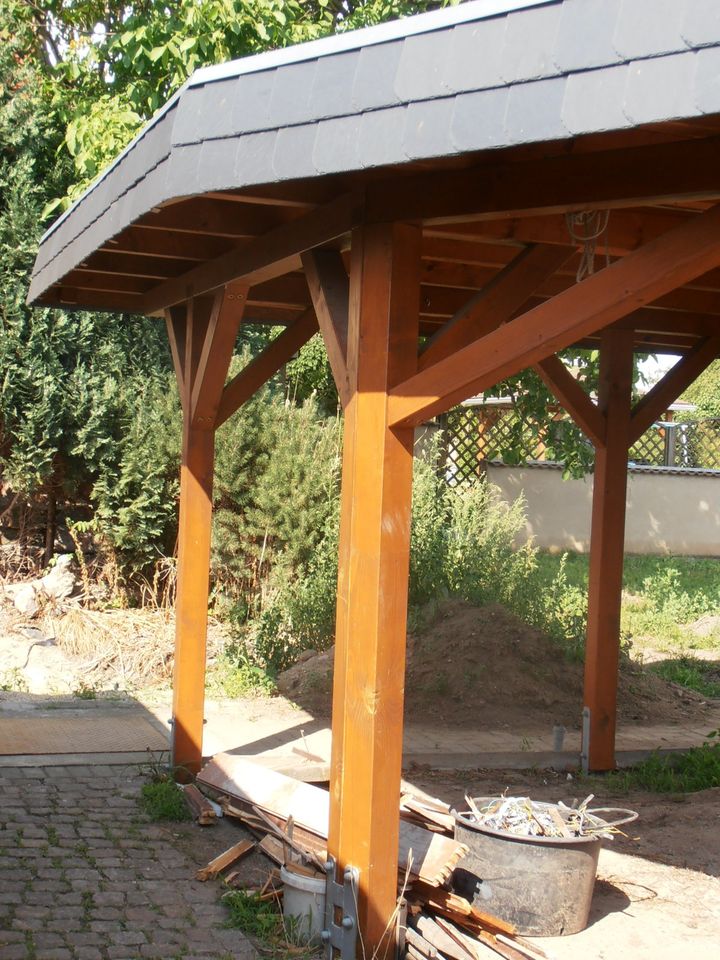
point(484, 667)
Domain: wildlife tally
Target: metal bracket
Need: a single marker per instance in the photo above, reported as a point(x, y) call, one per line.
point(585, 751)
point(341, 936)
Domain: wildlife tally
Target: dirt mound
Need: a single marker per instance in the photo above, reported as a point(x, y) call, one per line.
point(484, 667)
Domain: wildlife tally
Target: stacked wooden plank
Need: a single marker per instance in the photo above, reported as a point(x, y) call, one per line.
point(249, 788)
point(292, 819)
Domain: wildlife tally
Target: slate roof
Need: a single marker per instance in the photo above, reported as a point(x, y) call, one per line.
point(480, 76)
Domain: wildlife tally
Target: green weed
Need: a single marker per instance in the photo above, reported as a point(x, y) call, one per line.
point(696, 769)
point(233, 676)
point(164, 800)
point(256, 917)
point(85, 692)
point(697, 675)
point(261, 919)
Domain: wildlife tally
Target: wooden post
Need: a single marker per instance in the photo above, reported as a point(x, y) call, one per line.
point(196, 477)
point(606, 548)
point(372, 583)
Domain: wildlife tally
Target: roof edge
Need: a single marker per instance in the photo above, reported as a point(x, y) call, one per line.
point(411, 25)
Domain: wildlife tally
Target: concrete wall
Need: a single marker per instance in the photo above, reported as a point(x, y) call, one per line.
point(666, 512)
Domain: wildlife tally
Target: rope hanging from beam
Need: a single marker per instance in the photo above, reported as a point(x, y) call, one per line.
point(586, 227)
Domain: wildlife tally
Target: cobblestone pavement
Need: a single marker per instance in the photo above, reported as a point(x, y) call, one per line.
point(84, 875)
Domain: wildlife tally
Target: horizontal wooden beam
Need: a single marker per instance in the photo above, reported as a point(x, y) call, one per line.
point(626, 230)
point(565, 388)
point(266, 365)
point(606, 179)
point(496, 303)
point(327, 281)
point(270, 255)
point(666, 391)
point(639, 278)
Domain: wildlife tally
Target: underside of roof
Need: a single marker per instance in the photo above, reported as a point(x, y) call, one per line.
point(487, 123)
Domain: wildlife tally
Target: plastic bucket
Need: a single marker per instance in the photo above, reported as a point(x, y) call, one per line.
point(542, 885)
point(304, 905)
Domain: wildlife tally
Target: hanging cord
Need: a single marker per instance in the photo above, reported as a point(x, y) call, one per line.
point(586, 227)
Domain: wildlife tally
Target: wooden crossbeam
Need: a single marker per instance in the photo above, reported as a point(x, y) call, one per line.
point(328, 283)
point(656, 401)
point(626, 230)
point(266, 365)
point(573, 398)
point(217, 350)
point(270, 255)
point(606, 179)
point(639, 278)
point(495, 303)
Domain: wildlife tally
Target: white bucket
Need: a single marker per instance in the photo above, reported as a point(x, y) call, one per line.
point(304, 902)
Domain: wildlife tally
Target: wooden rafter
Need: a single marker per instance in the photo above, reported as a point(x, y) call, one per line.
point(269, 255)
point(639, 278)
point(266, 365)
point(656, 401)
point(495, 303)
point(573, 398)
point(327, 281)
point(631, 177)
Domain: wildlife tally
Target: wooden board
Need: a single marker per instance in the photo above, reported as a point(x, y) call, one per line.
point(433, 856)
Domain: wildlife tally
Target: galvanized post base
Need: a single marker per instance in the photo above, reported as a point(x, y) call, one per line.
point(340, 937)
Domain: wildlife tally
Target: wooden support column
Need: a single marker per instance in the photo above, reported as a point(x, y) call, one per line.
point(202, 336)
point(374, 563)
point(607, 546)
point(196, 478)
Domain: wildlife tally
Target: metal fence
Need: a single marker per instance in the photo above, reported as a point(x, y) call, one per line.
point(476, 434)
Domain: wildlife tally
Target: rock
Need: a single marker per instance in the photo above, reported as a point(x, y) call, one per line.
point(26, 600)
point(307, 655)
point(60, 582)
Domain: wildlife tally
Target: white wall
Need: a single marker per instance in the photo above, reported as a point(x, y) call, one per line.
point(666, 512)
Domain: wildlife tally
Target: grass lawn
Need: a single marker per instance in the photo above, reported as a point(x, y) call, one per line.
point(662, 598)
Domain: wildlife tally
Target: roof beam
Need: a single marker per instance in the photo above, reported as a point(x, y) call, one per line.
point(666, 391)
point(329, 288)
point(266, 365)
point(607, 179)
point(496, 302)
point(565, 388)
point(626, 230)
point(270, 255)
point(639, 278)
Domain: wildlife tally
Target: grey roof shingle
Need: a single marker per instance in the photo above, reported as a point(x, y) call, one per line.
point(482, 75)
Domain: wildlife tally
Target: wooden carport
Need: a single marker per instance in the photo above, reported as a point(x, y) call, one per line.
point(405, 190)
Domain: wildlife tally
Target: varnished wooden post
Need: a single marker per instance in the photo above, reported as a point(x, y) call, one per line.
point(374, 562)
point(606, 548)
point(196, 476)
